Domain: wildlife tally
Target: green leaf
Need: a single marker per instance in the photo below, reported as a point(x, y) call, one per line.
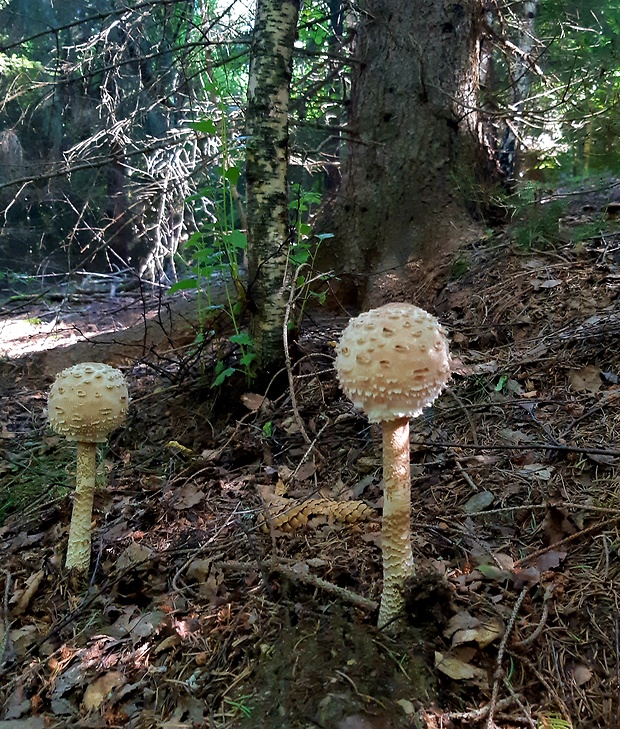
point(268, 429)
point(300, 256)
point(247, 359)
point(232, 174)
point(195, 239)
point(223, 375)
point(243, 338)
point(237, 239)
point(206, 126)
point(304, 229)
point(491, 572)
point(186, 283)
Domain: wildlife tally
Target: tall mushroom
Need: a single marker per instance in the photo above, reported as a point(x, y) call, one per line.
point(392, 362)
point(86, 403)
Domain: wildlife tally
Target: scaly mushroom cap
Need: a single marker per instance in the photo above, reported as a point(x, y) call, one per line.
point(393, 361)
point(87, 402)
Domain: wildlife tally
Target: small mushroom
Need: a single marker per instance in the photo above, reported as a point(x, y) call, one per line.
point(86, 403)
point(392, 362)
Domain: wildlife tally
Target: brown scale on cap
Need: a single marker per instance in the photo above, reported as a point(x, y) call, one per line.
point(393, 361)
point(87, 402)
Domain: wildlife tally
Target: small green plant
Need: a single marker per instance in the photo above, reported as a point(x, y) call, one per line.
point(240, 706)
point(214, 254)
point(553, 721)
point(304, 250)
point(536, 221)
point(460, 266)
point(592, 230)
point(30, 478)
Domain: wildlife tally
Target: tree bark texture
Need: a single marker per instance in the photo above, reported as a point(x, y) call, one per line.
point(266, 172)
point(414, 115)
point(524, 61)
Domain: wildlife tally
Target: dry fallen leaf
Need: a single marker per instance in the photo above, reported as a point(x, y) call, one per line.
point(306, 471)
point(581, 674)
point(483, 634)
point(199, 569)
point(99, 690)
point(458, 669)
point(253, 401)
point(537, 470)
point(166, 644)
point(528, 576)
point(134, 555)
point(556, 525)
point(406, 706)
point(550, 283)
point(188, 496)
point(34, 722)
point(23, 638)
point(586, 379)
point(32, 585)
point(550, 560)
point(514, 436)
point(461, 621)
point(144, 625)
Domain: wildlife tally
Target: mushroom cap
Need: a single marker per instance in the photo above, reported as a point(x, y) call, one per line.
point(87, 402)
point(393, 361)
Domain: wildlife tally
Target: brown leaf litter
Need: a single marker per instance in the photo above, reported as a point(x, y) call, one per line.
point(195, 617)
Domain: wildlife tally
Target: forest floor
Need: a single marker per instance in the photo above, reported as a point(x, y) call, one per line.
point(200, 613)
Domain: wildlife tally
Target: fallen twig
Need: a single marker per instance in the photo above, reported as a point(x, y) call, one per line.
point(343, 594)
point(567, 540)
point(520, 447)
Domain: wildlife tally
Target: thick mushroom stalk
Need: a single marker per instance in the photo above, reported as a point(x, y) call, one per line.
point(396, 521)
point(392, 362)
point(86, 403)
point(78, 548)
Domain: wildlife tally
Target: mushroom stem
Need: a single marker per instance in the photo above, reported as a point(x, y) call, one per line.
point(78, 549)
point(396, 523)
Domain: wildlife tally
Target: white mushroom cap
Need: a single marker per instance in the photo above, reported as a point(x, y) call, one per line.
point(393, 361)
point(87, 402)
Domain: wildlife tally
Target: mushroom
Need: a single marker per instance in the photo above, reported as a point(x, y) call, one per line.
point(392, 362)
point(86, 403)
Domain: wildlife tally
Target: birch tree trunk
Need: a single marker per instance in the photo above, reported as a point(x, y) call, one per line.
point(266, 171)
point(524, 61)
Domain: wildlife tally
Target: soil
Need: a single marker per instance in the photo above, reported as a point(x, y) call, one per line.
point(194, 616)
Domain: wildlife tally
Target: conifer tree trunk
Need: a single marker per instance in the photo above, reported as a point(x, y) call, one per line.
point(266, 170)
point(416, 151)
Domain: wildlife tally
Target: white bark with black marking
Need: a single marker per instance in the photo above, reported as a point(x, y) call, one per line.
point(266, 167)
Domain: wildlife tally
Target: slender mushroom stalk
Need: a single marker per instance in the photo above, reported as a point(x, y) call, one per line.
point(86, 403)
point(392, 362)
